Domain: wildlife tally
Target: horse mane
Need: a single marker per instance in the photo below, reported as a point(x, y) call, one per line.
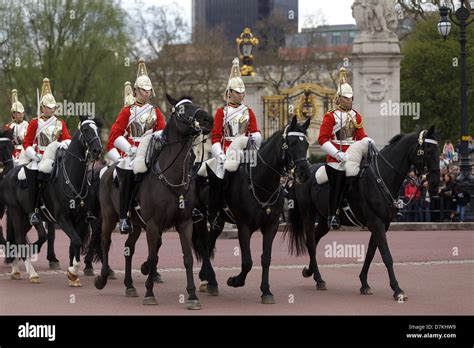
point(6, 132)
point(272, 137)
point(395, 139)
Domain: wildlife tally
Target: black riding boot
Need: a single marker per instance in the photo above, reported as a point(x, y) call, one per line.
point(35, 217)
point(336, 190)
point(126, 178)
point(216, 202)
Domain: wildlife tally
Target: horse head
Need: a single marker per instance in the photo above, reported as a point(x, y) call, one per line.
point(425, 158)
point(193, 121)
point(6, 148)
point(90, 136)
point(295, 148)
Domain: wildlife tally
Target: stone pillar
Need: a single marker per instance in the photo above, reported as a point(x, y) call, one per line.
point(254, 87)
point(376, 70)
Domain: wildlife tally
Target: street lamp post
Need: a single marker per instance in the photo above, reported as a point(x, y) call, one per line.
point(461, 19)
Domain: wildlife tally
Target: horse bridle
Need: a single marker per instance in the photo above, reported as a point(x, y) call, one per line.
point(398, 203)
point(191, 122)
point(420, 169)
point(287, 168)
point(3, 164)
point(77, 194)
point(290, 163)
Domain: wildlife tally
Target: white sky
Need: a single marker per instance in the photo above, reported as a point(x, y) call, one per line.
point(333, 11)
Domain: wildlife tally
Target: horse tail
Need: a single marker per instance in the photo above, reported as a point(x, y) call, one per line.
point(200, 238)
point(295, 227)
point(96, 240)
point(85, 238)
point(10, 236)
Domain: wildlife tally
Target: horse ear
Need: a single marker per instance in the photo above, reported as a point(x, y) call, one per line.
point(431, 130)
point(306, 124)
point(293, 123)
point(171, 100)
point(83, 118)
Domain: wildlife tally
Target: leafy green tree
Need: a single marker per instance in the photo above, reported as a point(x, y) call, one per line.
point(81, 46)
point(430, 75)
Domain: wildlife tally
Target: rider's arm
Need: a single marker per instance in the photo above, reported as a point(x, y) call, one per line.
point(30, 134)
point(64, 132)
point(118, 128)
point(160, 121)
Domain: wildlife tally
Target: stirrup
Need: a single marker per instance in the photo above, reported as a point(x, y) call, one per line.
point(124, 226)
point(90, 218)
point(35, 218)
point(217, 223)
point(333, 222)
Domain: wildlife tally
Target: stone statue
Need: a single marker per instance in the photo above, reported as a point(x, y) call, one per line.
point(375, 16)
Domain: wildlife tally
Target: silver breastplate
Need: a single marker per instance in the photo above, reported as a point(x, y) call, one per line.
point(346, 132)
point(143, 122)
point(235, 124)
point(19, 132)
point(49, 134)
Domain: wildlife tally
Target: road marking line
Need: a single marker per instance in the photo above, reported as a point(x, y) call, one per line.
point(276, 267)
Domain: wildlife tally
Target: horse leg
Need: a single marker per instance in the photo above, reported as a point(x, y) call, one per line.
point(365, 288)
point(74, 252)
point(269, 233)
point(381, 238)
point(108, 226)
point(88, 268)
point(206, 274)
point(132, 238)
point(185, 230)
point(15, 273)
point(153, 237)
point(321, 230)
point(33, 276)
point(244, 242)
point(51, 255)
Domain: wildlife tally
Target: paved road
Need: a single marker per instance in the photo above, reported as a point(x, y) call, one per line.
point(435, 268)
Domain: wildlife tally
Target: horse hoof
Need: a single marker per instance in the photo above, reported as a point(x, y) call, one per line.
point(71, 276)
point(213, 290)
point(203, 286)
point(232, 282)
point(15, 276)
point(112, 275)
point(35, 280)
point(54, 266)
point(99, 283)
point(193, 304)
point(157, 278)
point(131, 292)
point(366, 291)
point(75, 283)
point(89, 272)
point(400, 297)
point(321, 286)
point(144, 268)
point(307, 272)
point(268, 299)
point(150, 301)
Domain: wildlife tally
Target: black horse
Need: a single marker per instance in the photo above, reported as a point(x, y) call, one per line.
point(373, 199)
point(164, 197)
point(6, 164)
point(255, 199)
point(63, 195)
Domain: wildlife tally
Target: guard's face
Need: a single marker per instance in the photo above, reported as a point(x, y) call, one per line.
point(47, 111)
point(18, 116)
point(236, 97)
point(345, 102)
point(143, 95)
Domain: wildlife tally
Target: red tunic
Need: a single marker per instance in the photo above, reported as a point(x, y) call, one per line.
point(218, 129)
point(30, 137)
point(326, 133)
point(120, 126)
